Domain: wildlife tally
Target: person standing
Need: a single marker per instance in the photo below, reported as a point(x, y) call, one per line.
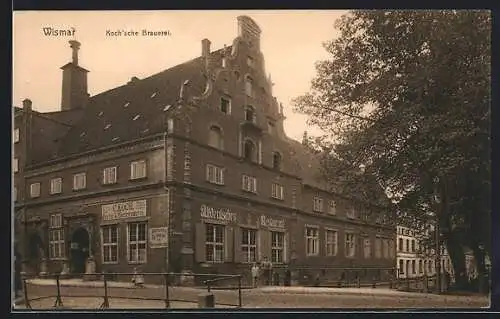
point(255, 274)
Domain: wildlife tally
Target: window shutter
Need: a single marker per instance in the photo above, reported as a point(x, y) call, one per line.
point(200, 243)
point(229, 244)
point(237, 245)
point(265, 244)
point(286, 248)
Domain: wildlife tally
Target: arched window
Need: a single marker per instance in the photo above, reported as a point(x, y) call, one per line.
point(249, 150)
point(215, 137)
point(249, 114)
point(248, 86)
point(276, 160)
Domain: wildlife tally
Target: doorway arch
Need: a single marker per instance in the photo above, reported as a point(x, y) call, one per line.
point(35, 251)
point(79, 250)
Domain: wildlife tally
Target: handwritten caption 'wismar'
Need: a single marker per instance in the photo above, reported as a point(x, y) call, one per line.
point(135, 33)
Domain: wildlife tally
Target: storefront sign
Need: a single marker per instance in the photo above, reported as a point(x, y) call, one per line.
point(220, 214)
point(271, 222)
point(158, 237)
point(124, 210)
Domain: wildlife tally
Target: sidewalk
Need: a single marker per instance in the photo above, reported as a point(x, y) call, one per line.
point(76, 282)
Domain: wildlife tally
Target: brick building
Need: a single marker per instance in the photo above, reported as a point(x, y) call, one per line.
point(194, 158)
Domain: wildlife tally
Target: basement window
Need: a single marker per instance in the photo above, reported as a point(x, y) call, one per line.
point(153, 95)
point(136, 117)
point(166, 108)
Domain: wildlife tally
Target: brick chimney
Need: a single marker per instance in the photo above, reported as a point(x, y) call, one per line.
point(205, 51)
point(74, 82)
point(249, 31)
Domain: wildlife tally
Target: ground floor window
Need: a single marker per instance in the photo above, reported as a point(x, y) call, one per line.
point(277, 247)
point(312, 240)
point(331, 242)
point(109, 241)
point(214, 243)
point(248, 245)
point(420, 266)
point(137, 242)
point(413, 268)
point(401, 267)
point(350, 245)
point(56, 243)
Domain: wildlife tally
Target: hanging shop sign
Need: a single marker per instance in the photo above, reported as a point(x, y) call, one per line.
point(124, 210)
point(267, 221)
point(219, 214)
point(158, 237)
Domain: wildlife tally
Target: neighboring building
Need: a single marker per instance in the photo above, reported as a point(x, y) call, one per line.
point(194, 158)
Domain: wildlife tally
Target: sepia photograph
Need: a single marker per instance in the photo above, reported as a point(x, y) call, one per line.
point(258, 159)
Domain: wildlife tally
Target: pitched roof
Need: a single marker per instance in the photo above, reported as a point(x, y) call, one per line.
point(136, 109)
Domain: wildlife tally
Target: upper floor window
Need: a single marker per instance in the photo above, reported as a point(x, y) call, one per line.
point(277, 191)
point(79, 181)
point(225, 105)
point(332, 208)
point(138, 169)
point(276, 160)
point(56, 185)
point(248, 86)
point(249, 114)
point(317, 204)
point(215, 174)
point(351, 213)
point(407, 245)
point(249, 151)
point(15, 135)
point(250, 62)
point(413, 246)
point(249, 183)
point(35, 190)
point(215, 137)
point(109, 175)
point(400, 244)
point(15, 165)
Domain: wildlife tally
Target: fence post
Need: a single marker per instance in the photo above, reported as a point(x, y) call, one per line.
point(358, 282)
point(26, 300)
point(58, 303)
point(208, 285)
point(167, 298)
point(105, 303)
point(239, 290)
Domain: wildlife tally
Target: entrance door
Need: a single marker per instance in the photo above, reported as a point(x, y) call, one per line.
point(79, 250)
point(35, 252)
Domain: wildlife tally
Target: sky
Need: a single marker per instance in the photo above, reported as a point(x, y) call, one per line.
point(291, 42)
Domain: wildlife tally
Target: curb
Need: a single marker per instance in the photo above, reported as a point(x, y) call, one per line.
point(351, 293)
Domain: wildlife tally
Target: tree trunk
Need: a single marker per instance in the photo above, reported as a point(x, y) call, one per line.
point(457, 257)
point(481, 268)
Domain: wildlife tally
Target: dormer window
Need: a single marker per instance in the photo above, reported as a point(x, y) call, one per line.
point(276, 160)
point(249, 114)
point(249, 151)
point(250, 62)
point(248, 86)
point(225, 105)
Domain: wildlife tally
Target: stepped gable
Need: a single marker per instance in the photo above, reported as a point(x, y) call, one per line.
point(137, 109)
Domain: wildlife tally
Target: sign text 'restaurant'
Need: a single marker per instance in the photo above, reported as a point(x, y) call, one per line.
point(271, 222)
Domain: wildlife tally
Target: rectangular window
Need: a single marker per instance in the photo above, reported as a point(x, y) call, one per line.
point(350, 245)
point(35, 190)
point(215, 174)
point(420, 267)
point(392, 252)
point(248, 87)
point(249, 245)
point(109, 175)
point(137, 243)
point(79, 181)
point(249, 183)
point(331, 242)
point(270, 127)
point(225, 105)
point(401, 267)
point(312, 241)
point(277, 247)
point(400, 241)
point(110, 244)
point(351, 213)
point(15, 165)
point(56, 185)
point(277, 191)
point(413, 268)
point(318, 204)
point(367, 248)
point(250, 62)
point(15, 136)
point(332, 209)
point(138, 169)
point(214, 243)
point(378, 247)
point(56, 237)
point(413, 246)
point(385, 245)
